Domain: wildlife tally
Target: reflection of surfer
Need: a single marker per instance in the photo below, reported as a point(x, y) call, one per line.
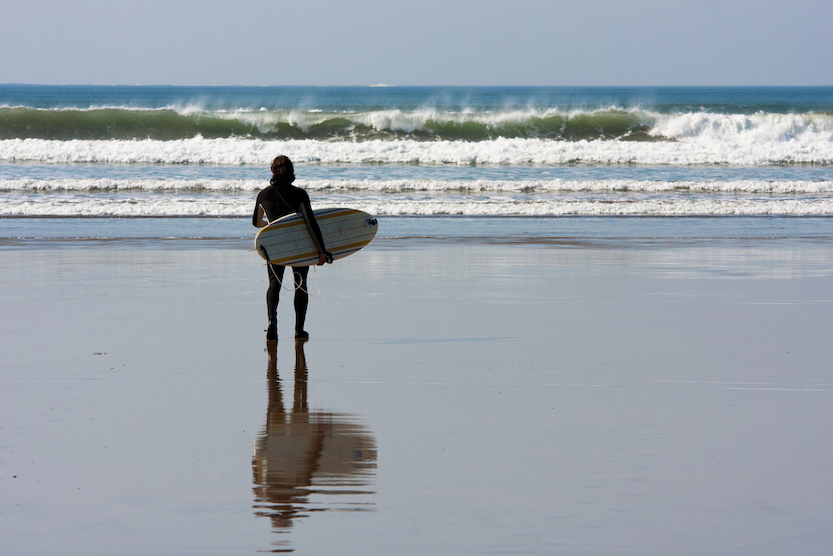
point(279, 199)
point(285, 455)
point(300, 454)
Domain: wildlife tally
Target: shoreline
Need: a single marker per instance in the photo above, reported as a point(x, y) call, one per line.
point(146, 231)
point(168, 243)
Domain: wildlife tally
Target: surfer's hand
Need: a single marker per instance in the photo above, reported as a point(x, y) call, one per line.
point(322, 258)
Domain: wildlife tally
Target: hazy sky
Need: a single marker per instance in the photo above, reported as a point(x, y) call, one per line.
point(412, 42)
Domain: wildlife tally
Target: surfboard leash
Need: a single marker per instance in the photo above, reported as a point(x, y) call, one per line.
point(294, 283)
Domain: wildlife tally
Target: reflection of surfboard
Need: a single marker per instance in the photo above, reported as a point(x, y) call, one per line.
point(287, 240)
point(315, 448)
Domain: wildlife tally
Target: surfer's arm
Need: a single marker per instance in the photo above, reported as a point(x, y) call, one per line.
point(257, 217)
point(315, 233)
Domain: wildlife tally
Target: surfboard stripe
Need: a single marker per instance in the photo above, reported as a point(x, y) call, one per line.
point(324, 214)
point(332, 243)
point(343, 251)
point(274, 230)
point(354, 230)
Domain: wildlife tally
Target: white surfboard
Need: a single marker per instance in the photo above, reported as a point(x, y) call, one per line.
point(286, 241)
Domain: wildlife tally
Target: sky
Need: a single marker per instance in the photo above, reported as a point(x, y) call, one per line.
point(426, 42)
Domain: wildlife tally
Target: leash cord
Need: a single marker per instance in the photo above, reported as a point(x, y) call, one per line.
point(297, 285)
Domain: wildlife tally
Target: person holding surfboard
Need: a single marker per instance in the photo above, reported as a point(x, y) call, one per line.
point(279, 199)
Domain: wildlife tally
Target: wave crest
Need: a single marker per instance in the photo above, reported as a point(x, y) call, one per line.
point(422, 124)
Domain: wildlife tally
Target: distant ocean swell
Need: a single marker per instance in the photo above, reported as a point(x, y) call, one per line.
point(428, 124)
point(745, 147)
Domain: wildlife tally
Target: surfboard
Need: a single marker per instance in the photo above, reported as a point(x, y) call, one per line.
point(286, 241)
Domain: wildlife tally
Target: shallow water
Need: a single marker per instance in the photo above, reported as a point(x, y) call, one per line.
point(239, 233)
point(527, 399)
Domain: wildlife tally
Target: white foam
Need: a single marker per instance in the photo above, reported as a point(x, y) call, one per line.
point(814, 148)
point(780, 187)
point(115, 185)
point(703, 127)
point(241, 206)
point(605, 207)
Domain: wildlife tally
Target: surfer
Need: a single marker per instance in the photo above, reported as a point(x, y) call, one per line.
point(279, 199)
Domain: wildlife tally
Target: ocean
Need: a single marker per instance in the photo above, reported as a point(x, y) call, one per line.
point(188, 161)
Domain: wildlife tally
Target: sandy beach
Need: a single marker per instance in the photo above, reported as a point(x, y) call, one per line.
point(456, 397)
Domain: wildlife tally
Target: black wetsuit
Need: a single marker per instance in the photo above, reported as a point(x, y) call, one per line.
point(278, 201)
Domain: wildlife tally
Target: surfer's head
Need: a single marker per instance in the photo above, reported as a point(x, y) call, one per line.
point(282, 170)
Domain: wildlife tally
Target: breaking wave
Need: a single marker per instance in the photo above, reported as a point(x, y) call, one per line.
point(421, 124)
point(810, 147)
point(202, 206)
point(764, 187)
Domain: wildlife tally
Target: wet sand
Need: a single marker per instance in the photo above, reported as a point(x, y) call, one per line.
point(464, 397)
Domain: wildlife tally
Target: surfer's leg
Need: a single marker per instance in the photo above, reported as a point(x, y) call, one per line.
point(272, 297)
point(301, 299)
